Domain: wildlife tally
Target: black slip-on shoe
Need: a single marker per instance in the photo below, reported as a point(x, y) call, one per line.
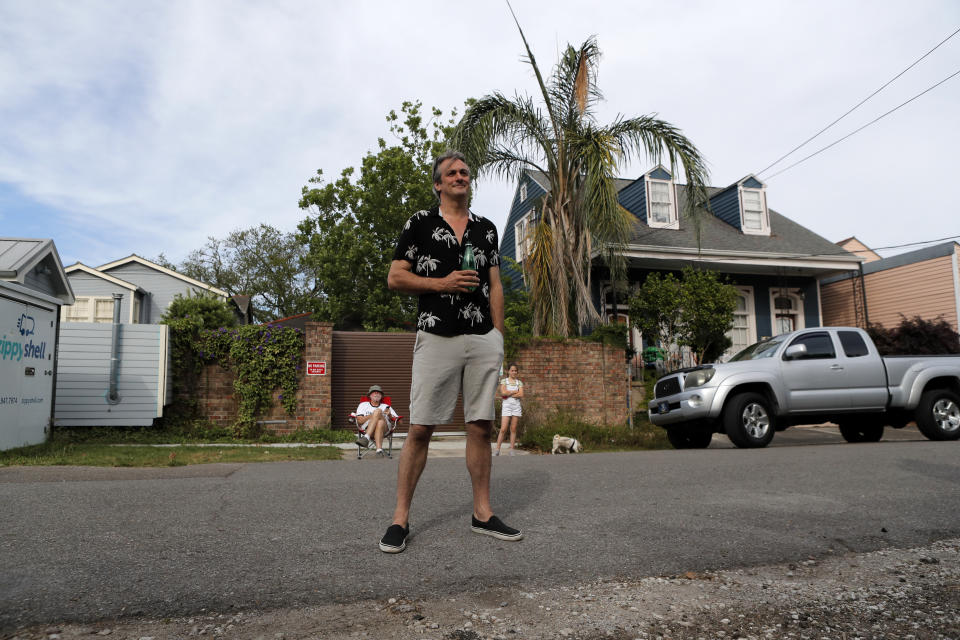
point(395, 539)
point(495, 527)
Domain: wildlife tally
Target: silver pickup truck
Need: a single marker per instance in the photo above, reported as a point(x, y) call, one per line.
point(826, 374)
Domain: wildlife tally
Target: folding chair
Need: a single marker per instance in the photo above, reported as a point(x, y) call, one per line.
point(388, 436)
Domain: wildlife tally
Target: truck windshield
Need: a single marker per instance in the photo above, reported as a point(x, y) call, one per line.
point(762, 349)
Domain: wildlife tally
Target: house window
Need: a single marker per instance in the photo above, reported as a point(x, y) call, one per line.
point(79, 311)
point(136, 311)
point(88, 309)
point(523, 234)
point(523, 192)
point(754, 213)
point(743, 334)
point(662, 212)
point(787, 313)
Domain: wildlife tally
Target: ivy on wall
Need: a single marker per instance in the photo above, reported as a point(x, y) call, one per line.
point(262, 358)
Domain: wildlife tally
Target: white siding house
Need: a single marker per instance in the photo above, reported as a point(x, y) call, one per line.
point(92, 391)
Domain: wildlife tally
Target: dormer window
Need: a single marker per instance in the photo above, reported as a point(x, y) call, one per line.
point(523, 192)
point(661, 203)
point(523, 234)
point(754, 209)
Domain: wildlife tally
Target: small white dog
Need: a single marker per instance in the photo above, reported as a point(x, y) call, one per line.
point(562, 444)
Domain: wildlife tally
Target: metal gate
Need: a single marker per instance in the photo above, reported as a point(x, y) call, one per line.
point(361, 359)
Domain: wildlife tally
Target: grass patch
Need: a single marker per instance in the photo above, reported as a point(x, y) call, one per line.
point(643, 435)
point(196, 432)
point(105, 455)
point(91, 446)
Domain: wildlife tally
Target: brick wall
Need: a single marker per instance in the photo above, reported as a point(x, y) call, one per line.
point(587, 378)
point(215, 393)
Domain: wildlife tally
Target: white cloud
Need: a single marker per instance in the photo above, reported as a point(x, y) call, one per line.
point(150, 126)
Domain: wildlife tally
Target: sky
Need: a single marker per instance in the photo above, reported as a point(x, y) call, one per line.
point(146, 127)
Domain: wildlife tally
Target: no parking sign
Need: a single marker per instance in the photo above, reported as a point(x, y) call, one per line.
point(316, 368)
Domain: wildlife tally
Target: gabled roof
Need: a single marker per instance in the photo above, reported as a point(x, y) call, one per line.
point(19, 256)
point(170, 272)
point(752, 180)
point(79, 266)
point(787, 239)
point(788, 244)
point(242, 302)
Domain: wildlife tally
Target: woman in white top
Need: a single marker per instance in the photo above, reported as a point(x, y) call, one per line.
point(511, 390)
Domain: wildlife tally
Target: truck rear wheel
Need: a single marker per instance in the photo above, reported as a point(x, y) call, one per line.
point(748, 421)
point(938, 415)
point(689, 438)
point(860, 431)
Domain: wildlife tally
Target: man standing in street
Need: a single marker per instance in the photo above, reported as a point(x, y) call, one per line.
point(459, 343)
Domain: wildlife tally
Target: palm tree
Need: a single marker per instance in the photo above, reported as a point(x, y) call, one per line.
point(580, 217)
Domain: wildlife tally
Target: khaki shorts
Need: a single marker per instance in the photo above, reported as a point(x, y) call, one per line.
point(445, 366)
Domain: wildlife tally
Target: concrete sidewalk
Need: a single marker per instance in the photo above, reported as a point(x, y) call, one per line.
point(443, 446)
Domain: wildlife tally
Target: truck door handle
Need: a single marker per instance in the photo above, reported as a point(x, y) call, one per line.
point(836, 367)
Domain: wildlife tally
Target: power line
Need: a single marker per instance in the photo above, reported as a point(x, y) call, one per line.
point(855, 107)
point(912, 244)
point(836, 142)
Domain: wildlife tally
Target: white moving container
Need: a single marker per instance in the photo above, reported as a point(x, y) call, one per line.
point(27, 348)
point(33, 287)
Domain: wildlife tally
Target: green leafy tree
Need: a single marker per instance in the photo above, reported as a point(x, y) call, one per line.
point(188, 316)
point(655, 309)
point(706, 313)
point(261, 262)
point(580, 216)
point(694, 311)
point(206, 310)
point(517, 318)
point(353, 223)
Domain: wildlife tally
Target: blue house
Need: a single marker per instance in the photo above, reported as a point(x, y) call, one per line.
point(775, 263)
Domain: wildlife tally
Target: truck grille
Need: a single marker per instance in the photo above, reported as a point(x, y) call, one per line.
point(667, 387)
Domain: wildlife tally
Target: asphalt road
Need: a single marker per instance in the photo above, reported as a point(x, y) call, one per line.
point(80, 544)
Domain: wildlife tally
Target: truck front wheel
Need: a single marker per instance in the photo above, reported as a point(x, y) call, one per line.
point(689, 438)
point(748, 420)
point(938, 415)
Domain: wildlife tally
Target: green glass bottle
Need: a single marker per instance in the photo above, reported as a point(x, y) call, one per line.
point(469, 261)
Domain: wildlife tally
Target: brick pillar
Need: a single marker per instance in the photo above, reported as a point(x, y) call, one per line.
point(316, 392)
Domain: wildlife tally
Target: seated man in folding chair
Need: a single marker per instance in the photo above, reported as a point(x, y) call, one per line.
point(375, 419)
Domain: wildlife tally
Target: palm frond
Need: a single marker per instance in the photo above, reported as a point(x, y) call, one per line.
point(494, 119)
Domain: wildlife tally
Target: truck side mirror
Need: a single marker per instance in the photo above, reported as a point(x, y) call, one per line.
point(795, 351)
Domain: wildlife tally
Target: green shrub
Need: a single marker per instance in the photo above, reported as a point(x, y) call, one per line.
point(916, 337)
point(208, 310)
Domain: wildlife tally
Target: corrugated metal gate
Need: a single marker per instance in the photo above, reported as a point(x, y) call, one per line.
point(361, 359)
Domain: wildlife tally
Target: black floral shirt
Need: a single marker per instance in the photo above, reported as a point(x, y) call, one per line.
point(429, 244)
